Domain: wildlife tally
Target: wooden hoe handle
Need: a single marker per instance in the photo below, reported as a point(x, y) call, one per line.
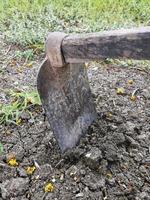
point(80, 48)
point(130, 43)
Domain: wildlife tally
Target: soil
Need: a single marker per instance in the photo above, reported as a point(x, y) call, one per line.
point(111, 162)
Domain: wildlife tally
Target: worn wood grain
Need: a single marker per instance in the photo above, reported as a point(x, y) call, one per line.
point(131, 43)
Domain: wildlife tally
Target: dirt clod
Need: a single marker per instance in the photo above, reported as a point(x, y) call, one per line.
point(14, 187)
point(92, 158)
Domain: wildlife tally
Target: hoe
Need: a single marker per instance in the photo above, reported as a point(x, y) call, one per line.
point(62, 79)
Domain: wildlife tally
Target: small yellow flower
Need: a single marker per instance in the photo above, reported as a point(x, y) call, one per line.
point(49, 187)
point(120, 90)
point(109, 175)
point(130, 81)
point(86, 65)
point(20, 70)
point(133, 98)
point(13, 162)
point(29, 100)
point(18, 121)
point(30, 170)
point(29, 65)
point(109, 114)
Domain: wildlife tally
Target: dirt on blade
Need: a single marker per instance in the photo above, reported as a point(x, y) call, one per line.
point(111, 162)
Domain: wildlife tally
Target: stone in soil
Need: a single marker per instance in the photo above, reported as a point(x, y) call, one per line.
point(93, 157)
point(111, 151)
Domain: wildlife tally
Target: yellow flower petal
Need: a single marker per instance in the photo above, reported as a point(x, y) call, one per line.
point(29, 65)
point(109, 175)
point(30, 170)
point(29, 100)
point(130, 81)
point(12, 162)
point(120, 90)
point(49, 187)
point(133, 98)
point(20, 70)
point(109, 114)
point(86, 65)
point(18, 121)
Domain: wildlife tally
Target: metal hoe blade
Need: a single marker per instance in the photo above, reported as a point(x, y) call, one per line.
point(66, 98)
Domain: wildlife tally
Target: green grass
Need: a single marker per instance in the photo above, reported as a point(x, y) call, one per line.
point(27, 22)
point(20, 101)
point(27, 54)
point(1, 148)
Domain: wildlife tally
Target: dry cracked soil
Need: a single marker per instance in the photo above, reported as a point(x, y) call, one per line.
point(112, 162)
